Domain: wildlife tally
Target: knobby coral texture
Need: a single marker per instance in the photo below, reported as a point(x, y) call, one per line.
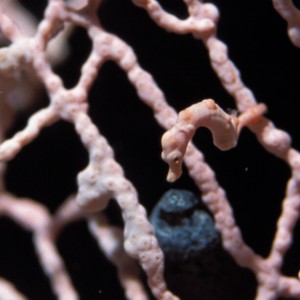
point(80, 156)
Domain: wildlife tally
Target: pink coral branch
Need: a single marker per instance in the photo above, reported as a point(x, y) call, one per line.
point(8, 291)
point(110, 241)
point(36, 123)
point(35, 218)
point(291, 14)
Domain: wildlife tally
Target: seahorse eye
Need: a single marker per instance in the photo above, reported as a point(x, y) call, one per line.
point(175, 157)
point(176, 160)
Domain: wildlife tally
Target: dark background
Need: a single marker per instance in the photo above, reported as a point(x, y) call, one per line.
point(254, 180)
